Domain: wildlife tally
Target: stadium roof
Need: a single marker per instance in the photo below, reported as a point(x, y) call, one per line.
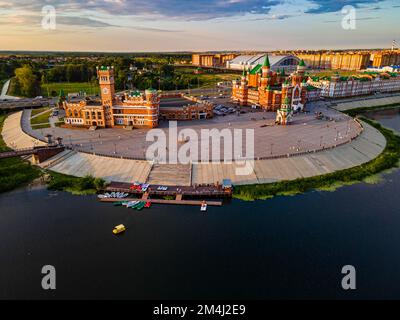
point(251, 61)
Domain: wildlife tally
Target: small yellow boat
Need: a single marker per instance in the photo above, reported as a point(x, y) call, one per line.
point(119, 229)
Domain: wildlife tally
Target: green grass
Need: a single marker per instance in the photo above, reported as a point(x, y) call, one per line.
point(14, 172)
point(70, 87)
point(41, 126)
point(34, 112)
point(41, 119)
point(387, 160)
point(78, 186)
point(208, 80)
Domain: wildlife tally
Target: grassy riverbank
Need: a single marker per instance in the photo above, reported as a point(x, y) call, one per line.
point(388, 159)
point(14, 172)
point(357, 111)
point(78, 186)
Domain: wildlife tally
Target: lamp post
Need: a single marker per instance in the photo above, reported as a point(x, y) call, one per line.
point(320, 141)
point(272, 145)
point(115, 148)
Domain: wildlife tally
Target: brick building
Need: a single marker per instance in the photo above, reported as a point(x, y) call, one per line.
point(272, 91)
point(132, 109)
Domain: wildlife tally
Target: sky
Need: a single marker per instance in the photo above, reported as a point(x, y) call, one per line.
point(197, 25)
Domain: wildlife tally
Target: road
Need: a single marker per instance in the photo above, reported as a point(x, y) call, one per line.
point(4, 90)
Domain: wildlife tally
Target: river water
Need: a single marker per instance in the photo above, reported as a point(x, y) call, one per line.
point(283, 248)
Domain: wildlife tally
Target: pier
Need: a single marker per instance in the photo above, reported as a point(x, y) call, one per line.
point(163, 201)
point(178, 192)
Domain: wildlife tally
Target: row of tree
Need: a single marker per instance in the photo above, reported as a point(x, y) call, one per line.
point(138, 73)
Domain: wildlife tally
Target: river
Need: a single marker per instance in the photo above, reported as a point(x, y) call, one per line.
point(283, 248)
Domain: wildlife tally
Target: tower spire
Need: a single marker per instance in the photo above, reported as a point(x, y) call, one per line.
point(266, 62)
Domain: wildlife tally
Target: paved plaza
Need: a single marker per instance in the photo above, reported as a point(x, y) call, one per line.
point(279, 154)
point(305, 134)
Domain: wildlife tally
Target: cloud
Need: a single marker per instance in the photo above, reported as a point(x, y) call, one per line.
point(177, 9)
point(327, 6)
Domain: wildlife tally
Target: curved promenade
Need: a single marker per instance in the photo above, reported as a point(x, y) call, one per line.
point(14, 136)
point(368, 145)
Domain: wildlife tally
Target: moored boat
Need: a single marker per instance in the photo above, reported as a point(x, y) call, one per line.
point(140, 206)
point(120, 203)
point(148, 204)
point(131, 204)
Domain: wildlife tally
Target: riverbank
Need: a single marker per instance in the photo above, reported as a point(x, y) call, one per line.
point(358, 111)
point(14, 172)
point(388, 159)
point(77, 186)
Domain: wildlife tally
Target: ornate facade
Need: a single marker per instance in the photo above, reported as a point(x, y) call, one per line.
point(134, 109)
point(357, 85)
point(272, 91)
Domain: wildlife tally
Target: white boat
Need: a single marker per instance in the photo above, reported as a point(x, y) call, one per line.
point(107, 195)
point(203, 207)
point(101, 196)
point(131, 204)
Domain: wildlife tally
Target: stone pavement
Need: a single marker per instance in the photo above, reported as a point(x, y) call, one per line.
point(361, 150)
point(14, 136)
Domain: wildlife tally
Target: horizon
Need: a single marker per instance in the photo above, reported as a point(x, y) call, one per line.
point(124, 26)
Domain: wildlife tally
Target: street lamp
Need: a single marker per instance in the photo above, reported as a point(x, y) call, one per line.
point(272, 145)
point(115, 148)
point(320, 142)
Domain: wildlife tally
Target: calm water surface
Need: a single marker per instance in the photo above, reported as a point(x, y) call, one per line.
point(287, 247)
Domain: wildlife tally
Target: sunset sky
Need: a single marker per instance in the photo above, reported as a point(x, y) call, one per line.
point(197, 25)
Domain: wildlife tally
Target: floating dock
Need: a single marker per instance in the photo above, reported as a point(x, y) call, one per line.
point(163, 201)
point(198, 194)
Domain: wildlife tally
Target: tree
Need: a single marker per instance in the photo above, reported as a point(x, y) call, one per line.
point(29, 86)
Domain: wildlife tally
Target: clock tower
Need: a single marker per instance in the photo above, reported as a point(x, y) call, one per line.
point(107, 92)
point(106, 82)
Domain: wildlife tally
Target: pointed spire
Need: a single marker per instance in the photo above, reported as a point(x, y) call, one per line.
point(244, 72)
point(302, 63)
point(286, 101)
point(266, 62)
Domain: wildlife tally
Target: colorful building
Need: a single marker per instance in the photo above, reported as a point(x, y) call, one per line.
point(336, 60)
point(272, 91)
point(132, 109)
point(385, 58)
point(356, 85)
point(211, 60)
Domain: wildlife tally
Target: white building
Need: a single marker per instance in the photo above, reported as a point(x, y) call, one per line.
point(340, 87)
point(248, 62)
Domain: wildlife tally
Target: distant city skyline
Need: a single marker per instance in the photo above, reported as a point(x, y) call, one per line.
point(208, 25)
